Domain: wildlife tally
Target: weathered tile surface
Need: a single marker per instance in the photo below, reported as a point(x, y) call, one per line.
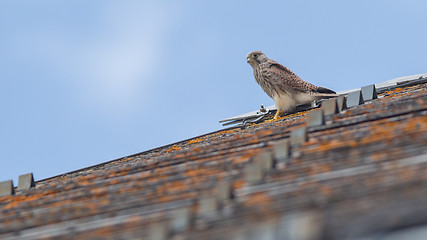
point(362, 174)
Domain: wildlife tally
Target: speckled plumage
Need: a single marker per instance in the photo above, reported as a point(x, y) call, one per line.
point(282, 85)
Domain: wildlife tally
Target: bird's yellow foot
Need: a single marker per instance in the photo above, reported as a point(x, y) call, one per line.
point(276, 116)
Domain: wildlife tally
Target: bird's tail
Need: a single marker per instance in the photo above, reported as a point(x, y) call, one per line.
point(325, 90)
point(322, 92)
point(325, 95)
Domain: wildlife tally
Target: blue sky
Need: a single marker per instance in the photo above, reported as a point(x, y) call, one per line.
point(84, 82)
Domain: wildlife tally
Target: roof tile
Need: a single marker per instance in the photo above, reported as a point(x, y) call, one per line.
point(366, 165)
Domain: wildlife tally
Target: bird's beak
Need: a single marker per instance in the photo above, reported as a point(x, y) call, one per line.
point(248, 60)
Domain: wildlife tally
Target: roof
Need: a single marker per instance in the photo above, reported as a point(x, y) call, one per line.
point(357, 173)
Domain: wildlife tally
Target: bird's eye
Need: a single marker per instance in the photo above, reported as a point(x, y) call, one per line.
point(255, 55)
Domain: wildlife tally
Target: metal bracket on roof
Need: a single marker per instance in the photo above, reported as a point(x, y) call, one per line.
point(180, 219)
point(265, 159)
point(158, 231)
point(257, 120)
point(207, 207)
point(369, 93)
point(253, 173)
point(6, 188)
point(224, 191)
point(315, 118)
point(341, 103)
point(330, 106)
point(26, 181)
point(252, 117)
point(298, 136)
point(354, 99)
point(281, 150)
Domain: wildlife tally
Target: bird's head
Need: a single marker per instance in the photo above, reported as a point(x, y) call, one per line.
point(256, 57)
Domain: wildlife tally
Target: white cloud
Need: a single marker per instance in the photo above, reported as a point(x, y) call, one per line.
point(112, 60)
point(120, 63)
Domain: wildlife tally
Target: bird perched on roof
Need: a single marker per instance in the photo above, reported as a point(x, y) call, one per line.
point(282, 85)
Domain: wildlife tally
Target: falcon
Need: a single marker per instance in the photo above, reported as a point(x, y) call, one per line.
point(282, 85)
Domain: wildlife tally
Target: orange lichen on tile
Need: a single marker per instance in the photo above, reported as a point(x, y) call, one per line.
point(290, 122)
point(325, 190)
point(123, 173)
point(177, 186)
point(114, 181)
point(91, 205)
point(238, 184)
point(180, 155)
point(227, 131)
point(238, 160)
point(396, 90)
point(98, 191)
point(143, 174)
point(83, 180)
point(246, 156)
point(407, 175)
point(379, 133)
point(334, 143)
point(69, 186)
point(134, 219)
point(369, 106)
point(172, 187)
point(195, 173)
point(173, 148)
point(319, 168)
point(388, 130)
point(246, 135)
point(23, 199)
point(161, 171)
point(253, 141)
point(379, 156)
point(127, 159)
point(198, 149)
point(258, 199)
point(417, 124)
point(168, 197)
point(264, 133)
point(61, 203)
point(196, 140)
point(297, 114)
point(165, 198)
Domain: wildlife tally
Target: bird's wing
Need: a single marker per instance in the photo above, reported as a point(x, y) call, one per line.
point(280, 75)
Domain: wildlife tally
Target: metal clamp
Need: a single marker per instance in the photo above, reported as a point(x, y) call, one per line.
point(263, 111)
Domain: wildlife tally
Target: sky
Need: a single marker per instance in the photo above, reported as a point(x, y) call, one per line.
point(85, 82)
